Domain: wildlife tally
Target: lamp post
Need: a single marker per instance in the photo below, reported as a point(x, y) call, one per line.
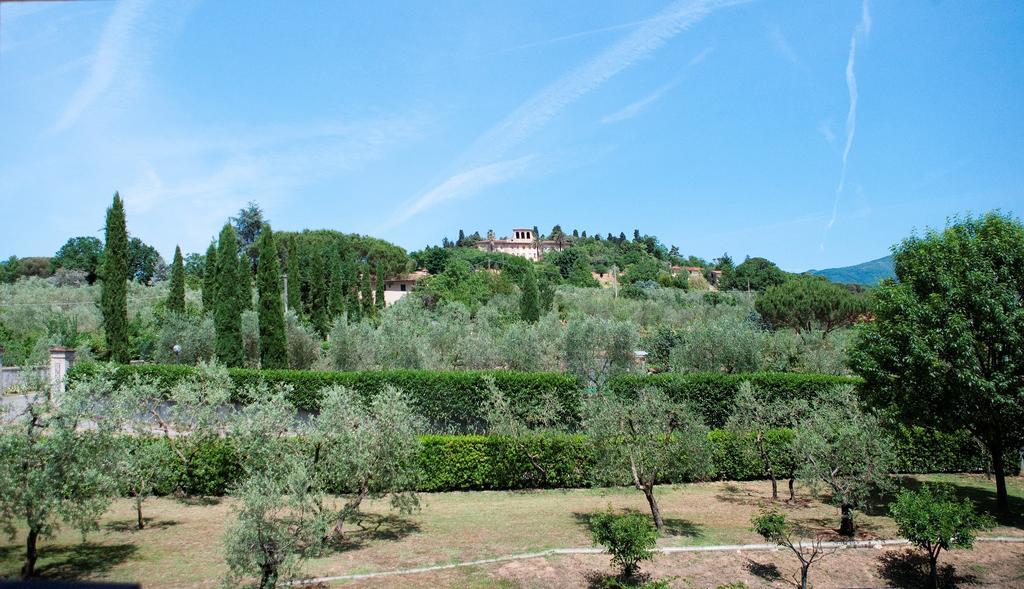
point(177, 353)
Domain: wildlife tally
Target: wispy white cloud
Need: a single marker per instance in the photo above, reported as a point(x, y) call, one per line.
point(532, 115)
point(781, 44)
point(825, 129)
point(122, 53)
point(862, 30)
point(206, 176)
point(466, 183)
point(633, 109)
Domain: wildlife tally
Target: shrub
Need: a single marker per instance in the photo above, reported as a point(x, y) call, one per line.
point(629, 538)
point(935, 520)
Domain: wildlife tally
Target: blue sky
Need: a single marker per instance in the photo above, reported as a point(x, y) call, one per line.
point(812, 133)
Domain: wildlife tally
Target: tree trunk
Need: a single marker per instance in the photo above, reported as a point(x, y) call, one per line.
point(655, 511)
point(803, 575)
point(933, 572)
point(775, 486)
point(1002, 499)
point(138, 513)
point(28, 570)
point(268, 577)
point(846, 525)
point(792, 490)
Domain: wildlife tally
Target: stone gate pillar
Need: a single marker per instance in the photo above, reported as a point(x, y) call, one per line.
point(61, 360)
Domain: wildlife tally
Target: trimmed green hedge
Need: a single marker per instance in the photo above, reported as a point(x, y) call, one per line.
point(470, 463)
point(450, 401)
point(712, 394)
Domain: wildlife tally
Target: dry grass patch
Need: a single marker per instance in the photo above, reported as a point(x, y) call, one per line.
point(182, 545)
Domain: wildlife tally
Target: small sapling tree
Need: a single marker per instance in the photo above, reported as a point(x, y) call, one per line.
point(935, 520)
point(629, 538)
point(141, 466)
point(845, 449)
point(643, 440)
point(366, 450)
point(774, 527)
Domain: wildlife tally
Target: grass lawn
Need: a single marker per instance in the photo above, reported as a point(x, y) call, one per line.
point(182, 545)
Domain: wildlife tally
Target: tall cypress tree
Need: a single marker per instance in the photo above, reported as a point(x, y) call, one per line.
point(114, 276)
point(294, 279)
point(210, 277)
point(337, 295)
point(352, 306)
point(273, 348)
point(244, 283)
point(529, 304)
point(227, 312)
point(378, 296)
point(319, 295)
point(176, 298)
point(366, 294)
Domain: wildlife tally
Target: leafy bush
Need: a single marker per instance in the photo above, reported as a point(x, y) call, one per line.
point(629, 538)
point(934, 520)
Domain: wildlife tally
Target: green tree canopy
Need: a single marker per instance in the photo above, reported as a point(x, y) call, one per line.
point(756, 274)
point(80, 253)
point(808, 303)
point(946, 347)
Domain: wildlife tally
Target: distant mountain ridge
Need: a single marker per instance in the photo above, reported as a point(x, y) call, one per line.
point(867, 273)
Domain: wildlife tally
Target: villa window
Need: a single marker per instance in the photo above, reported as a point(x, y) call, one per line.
point(403, 288)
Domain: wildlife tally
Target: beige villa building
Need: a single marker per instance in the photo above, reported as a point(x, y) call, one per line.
point(523, 243)
point(398, 286)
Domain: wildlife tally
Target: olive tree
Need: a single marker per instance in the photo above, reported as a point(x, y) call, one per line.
point(946, 347)
point(597, 348)
point(774, 527)
point(278, 517)
point(517, 426)
point(366, 450)
point(186, 416)
point(645, 439)
point(51, 473)
point(756, 420)
point(277, 525)
point(935, 520)
point(844, 449)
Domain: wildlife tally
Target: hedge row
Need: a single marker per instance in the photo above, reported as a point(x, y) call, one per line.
point(712, 394)
point(450, 401)
point(465, 463)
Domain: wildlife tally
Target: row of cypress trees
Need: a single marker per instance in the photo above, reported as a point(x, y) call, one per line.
point(227, 291)
point(339, 286)
point(336, 285)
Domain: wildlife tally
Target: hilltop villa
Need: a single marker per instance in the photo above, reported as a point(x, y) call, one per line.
point(522, 244)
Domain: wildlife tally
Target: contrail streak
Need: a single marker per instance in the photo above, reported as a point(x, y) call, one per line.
point(862, 30)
